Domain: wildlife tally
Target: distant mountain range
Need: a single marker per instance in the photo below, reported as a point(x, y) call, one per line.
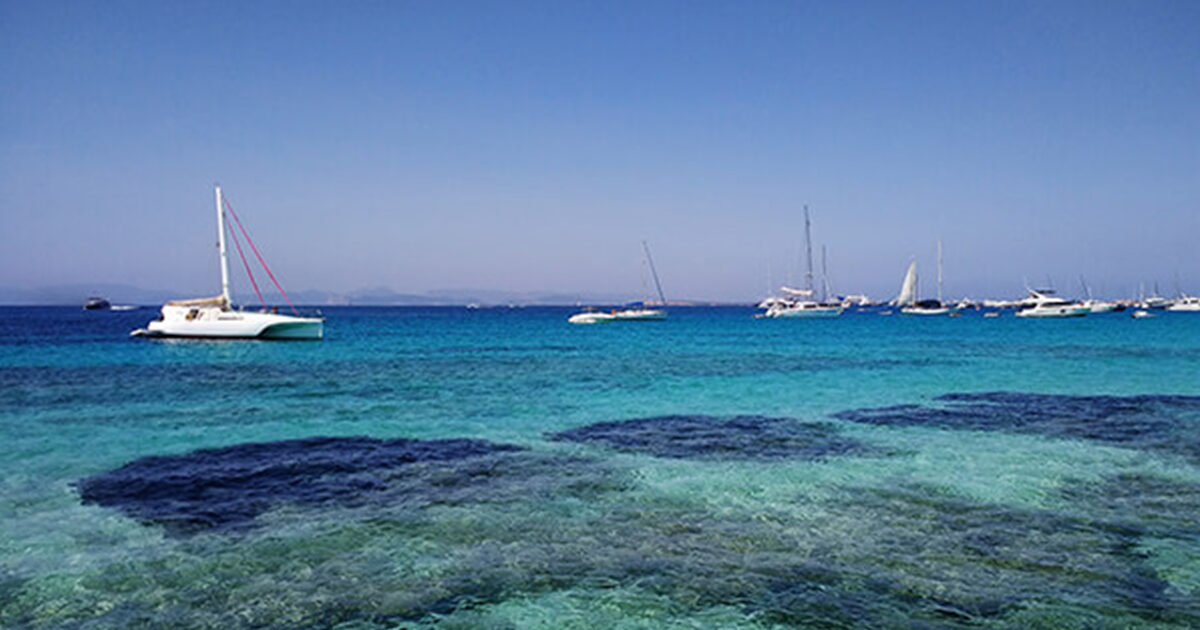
point(73, 294)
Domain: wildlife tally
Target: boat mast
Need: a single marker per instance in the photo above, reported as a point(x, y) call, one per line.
point(808, 276)
point(221, 249)
point(824, 277)
point(939, 271)
point(657, 285)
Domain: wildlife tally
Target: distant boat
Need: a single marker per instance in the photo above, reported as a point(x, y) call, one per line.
point(907, 298)
point(1045, 304)
point(909, 289)
point(632, 312)
point(1186, 304)
point(215, 317)
point(638, 311)
point(96, 304)
point(592, 317)
point(1096, 306)
point(1142, 314)
point(798, 303)
point(1155, 301)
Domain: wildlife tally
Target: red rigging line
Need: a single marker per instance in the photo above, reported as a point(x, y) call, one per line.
point(258, 255)
point(246, 264)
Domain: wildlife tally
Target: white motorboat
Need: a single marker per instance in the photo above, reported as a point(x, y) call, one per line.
point(592, 317)
point(1142, 314)
point(1096, 306)
point(640, 313)
point(799, 303)
point(1099, 306)
point(1186, 304)
point(1045, 304)
point(215, 317)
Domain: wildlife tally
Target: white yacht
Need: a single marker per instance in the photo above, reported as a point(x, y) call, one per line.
point(1099, 306)
point(215, 317)
point(799, 303)
point(1094, 305)
point(1186, 304)
point(1045, 304)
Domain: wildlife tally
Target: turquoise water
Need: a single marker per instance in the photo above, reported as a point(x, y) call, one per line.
point(759, 486)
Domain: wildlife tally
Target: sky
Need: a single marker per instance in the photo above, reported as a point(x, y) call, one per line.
point(531, 146)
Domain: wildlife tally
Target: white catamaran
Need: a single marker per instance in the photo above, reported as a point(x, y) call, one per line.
point(799, 302)
point(215, 317)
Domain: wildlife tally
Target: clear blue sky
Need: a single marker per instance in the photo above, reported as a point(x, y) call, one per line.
point(531, 146)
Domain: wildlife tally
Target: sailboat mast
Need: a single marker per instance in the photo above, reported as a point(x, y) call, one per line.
point(221, 250)
point(939, 271)
point(824, 277)
point(808, 276)
point(662, 298)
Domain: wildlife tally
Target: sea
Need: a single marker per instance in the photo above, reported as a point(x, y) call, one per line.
point(448, 467)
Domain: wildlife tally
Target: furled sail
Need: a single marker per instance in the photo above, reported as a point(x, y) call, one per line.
point(796, 292)
point(908, 290)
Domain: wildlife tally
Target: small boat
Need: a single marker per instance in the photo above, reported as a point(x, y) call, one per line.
point(96, 304)
point(592, 317)
point(638, 311)
point(991, 314)
point(1045, 304)
point(1142, 314)
point(215, 317)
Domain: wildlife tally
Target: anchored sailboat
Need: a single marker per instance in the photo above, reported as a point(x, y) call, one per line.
point(215, 317)
point(908, 299)
point(635, 311)
point(799, 302)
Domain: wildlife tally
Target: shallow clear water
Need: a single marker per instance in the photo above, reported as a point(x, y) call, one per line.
point(710, 471)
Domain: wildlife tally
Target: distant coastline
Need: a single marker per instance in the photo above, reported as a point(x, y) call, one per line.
point(75, 294)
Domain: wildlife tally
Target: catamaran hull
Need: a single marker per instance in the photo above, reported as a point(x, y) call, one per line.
point(236, 325)
point(805, 313)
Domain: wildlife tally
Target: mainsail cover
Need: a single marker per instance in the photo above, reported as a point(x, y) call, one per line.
point(796, 292)
point(908, 289)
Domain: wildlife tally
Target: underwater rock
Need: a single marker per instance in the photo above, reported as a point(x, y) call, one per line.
point(227, 488)
point(709, 437)
point(1157, 423)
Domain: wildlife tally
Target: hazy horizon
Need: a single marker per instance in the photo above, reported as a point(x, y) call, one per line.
point(529, 148)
